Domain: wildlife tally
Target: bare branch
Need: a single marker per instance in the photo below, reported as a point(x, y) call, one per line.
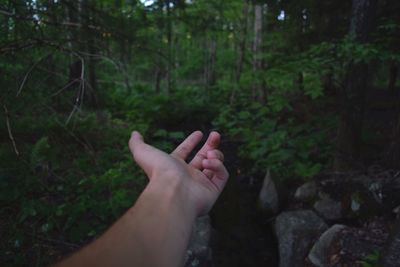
point(81, 92)
point(10, 135)
point(74, 109)
point(29, 72)
point(65, 87)
point(7, 13)
point(83, 143)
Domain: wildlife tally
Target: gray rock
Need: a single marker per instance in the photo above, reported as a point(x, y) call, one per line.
point(319, 254)
point(355, 204)
point(199, 253)
point(268, 197)
point(356, 244)
point(306, 191)
point(347, 246)
point(329, 209)
point(296, 231)
point(391, 255)
point(396, 210)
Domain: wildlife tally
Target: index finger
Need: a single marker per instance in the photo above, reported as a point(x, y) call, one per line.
point(212, 143)
point(186, 147)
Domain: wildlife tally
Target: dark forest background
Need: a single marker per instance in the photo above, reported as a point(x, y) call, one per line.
point(299, 87)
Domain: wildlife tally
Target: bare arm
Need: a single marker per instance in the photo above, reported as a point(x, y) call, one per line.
point(156, 230)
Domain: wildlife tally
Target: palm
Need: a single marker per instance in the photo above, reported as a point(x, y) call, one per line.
point(205, 175)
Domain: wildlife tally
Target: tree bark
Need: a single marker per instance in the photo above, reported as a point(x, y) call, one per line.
point(169, 53)
point(209, 68)
point(350, 126)
point(242, 48)
point(258, 90)
point(393, 152)
point(243, 41)
point(157, 80)
point(91, 49)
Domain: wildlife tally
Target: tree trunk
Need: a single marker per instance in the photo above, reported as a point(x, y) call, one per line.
point(91, 88)
point(258, 90)
point(209, 68)
point(353, 97)
point(299, 83)
point(242, 48)
point(393, 153)
point(157, 80)
point(169, 52)
point(71, 17)
point(393, 71)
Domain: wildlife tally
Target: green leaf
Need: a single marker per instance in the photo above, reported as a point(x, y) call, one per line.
point(161, 133)
point(176, 135)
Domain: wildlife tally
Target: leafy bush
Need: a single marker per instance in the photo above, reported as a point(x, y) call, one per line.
point(274, 137)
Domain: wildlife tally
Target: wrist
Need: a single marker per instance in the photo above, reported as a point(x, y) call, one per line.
point(173, 193)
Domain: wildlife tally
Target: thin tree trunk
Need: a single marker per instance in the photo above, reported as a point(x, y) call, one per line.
point(257, 92)
point(90, 47)
point(242, 49)
point(209, 68)
point(169, 53)
point(205, 56)
point(243, 41)
point(71, 18)
point(300, 81)
point(157, 80)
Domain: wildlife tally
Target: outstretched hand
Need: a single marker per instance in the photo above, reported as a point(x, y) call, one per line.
point(156, 230)
point(203, 177)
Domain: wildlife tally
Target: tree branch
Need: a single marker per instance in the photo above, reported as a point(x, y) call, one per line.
point(29, 72)
point(10, 135)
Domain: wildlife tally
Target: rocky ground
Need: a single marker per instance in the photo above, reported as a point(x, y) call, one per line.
point(334, 220)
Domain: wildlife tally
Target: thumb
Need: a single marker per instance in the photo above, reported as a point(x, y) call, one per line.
point(144, 154)
point(135, 141)
point(138, 149)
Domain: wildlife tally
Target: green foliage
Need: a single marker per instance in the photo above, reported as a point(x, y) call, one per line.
point(164, 72)
point(40, 152)
point(290, 149)
point(80, 179)
point(371, 259)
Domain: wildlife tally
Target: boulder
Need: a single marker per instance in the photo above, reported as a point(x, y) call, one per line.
point(358, 244)
point(348, 246)
point(296, 231)
point(199, 253)
point(329, 209)
point(306, 191)
point(320, 252)
point(268, 196)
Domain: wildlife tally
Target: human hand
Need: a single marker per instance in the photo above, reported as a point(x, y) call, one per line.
point(201, 180)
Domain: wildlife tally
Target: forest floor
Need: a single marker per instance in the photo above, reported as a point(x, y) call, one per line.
point(242, 237)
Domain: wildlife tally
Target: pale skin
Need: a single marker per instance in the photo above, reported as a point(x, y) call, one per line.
point(155, 231)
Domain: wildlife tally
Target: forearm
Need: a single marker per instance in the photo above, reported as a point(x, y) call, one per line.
point(154, 232)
